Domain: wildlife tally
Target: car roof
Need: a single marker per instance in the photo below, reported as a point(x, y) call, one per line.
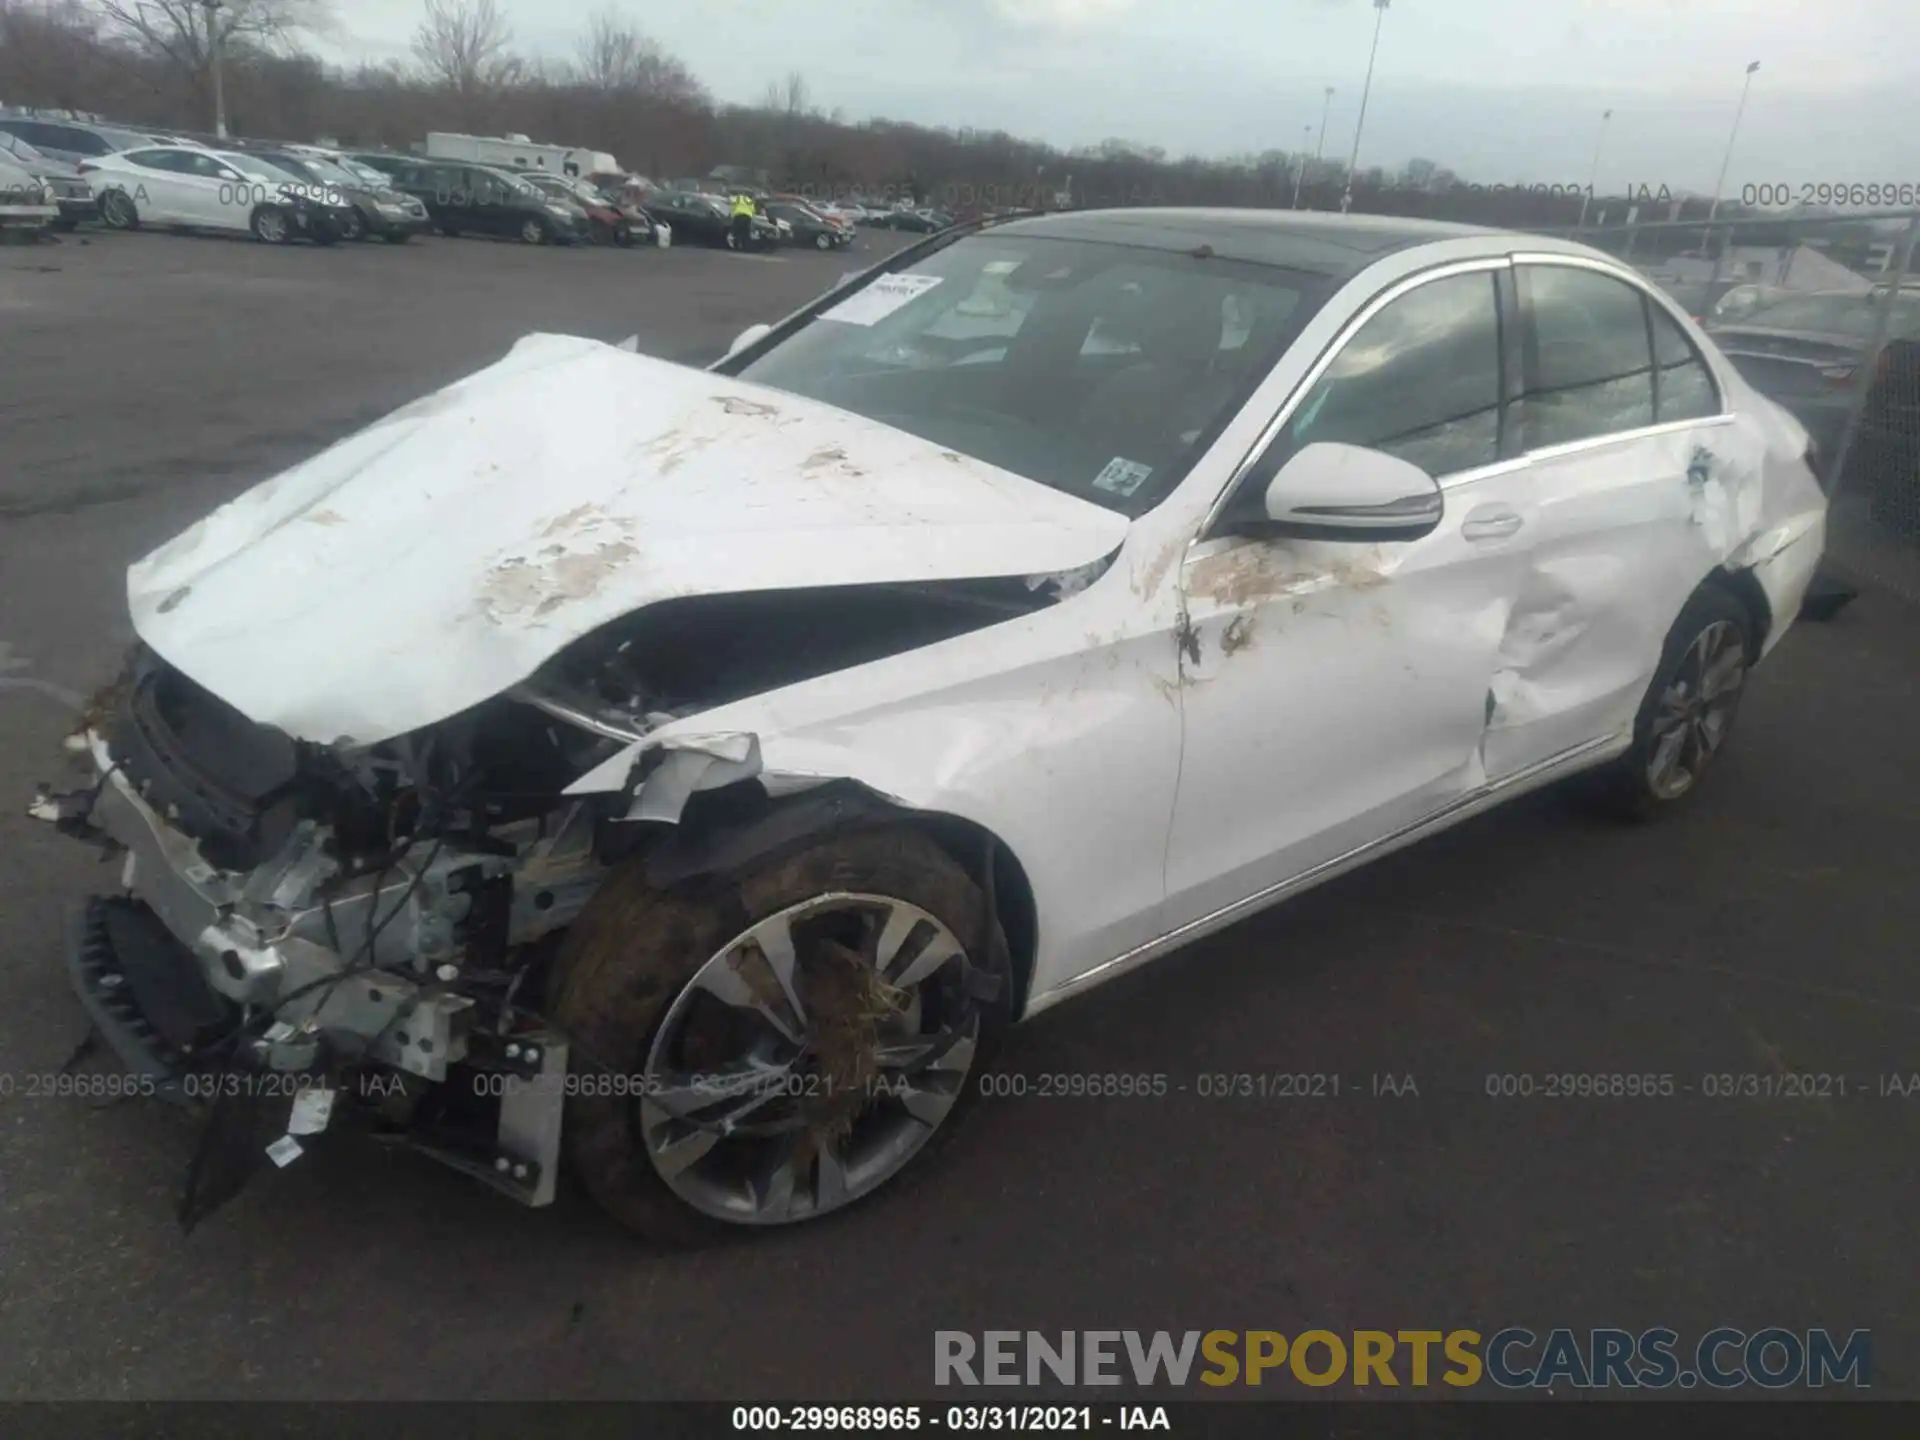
point(1288, 239)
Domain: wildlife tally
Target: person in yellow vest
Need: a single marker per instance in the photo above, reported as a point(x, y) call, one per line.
point(742, 220)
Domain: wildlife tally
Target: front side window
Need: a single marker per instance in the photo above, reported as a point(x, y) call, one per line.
point(1101, 370)
point(1683, 387)
point(1589, 365)
point(1420, 380)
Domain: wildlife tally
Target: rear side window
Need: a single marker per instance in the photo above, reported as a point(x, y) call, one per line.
point(1420, 380)
point(1683, 387)
point(1589, 363)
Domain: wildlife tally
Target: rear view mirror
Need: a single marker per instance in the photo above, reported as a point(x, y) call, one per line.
point(1347, 492)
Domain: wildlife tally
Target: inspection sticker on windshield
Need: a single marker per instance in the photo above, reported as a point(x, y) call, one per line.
point(1122, 477)
point(880, 299)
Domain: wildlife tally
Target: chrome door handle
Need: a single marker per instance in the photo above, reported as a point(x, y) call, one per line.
point(1497, 526)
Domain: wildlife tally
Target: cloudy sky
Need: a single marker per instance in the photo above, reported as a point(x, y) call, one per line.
point(1497, 89)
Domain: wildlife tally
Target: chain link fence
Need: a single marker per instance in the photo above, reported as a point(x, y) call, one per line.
point(1822, 313)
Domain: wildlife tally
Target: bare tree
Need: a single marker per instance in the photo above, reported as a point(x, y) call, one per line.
point(795, 95)
point(465, 46)
point(190, 36)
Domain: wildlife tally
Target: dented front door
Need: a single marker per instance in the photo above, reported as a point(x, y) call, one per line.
point(1333, 693)
point(1336, 693)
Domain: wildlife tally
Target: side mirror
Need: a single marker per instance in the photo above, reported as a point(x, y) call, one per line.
point(1347, 492)
point(752, 335)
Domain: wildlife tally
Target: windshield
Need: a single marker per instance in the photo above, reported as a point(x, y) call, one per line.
point(335, 173)
point(1100, 370)
point(1850, 315)
point(257, 168)
point(20, 148)
point(367, 174)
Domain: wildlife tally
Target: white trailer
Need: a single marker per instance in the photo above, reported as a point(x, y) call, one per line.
point(517, 152)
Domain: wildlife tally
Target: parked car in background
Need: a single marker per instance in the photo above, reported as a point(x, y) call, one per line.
point(707, 220)
point(921, 222)
point(1805, 350)
point(27, 203)
point(372, 210)
point(808, 226)
point(606, 225)
point(72, 141)
point(70, 189)
point(383, 162)
point(199, 189)
point(321, 210)
point(467, 199)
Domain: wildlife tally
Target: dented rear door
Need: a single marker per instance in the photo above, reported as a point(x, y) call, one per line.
point(1636, 478)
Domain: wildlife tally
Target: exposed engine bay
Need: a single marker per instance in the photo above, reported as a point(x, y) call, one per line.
point(309, 923)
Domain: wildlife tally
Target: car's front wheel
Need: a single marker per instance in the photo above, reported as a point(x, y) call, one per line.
point(534, 230)
point(767, 1050)
point(271, 225)
point(1687, 715)
point(353, 226)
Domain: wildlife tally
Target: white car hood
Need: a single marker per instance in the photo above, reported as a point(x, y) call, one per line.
point(443, 554)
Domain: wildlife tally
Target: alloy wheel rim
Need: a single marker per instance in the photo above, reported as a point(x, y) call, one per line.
point(1694, 713)
point(272, 226)
point(810, 1058)
point(531, 232)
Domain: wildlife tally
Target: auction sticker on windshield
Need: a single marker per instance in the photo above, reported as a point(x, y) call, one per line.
point(881, 299)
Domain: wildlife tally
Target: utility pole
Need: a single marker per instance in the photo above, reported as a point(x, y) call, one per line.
point(1379, 18)
point(1739, 110)
point(213, 63)
point(1300, 169)
point(1594, 178)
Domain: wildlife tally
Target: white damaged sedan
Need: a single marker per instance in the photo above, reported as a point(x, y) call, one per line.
point(693, 773)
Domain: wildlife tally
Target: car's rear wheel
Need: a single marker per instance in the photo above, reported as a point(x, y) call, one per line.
point(1686, 718)
point(118, 212)
point(449, 229)
point(766, 1050)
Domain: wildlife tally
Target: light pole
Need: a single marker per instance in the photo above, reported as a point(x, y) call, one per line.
point(1594, 178)
point(1379, 18)
point(1300, 168)
point(213, 63)
point(1739, 110)
point(1326, 109)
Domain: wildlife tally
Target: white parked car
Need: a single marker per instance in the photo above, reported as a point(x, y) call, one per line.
point(700, 770)
point(194, 187)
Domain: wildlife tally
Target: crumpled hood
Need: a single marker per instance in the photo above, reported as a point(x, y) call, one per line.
point(445, 553)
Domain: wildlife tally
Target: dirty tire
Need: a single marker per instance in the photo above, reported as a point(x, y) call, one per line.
point(634, 948)
point(1624, 789)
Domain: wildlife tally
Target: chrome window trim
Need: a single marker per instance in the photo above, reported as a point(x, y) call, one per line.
point(1660, 298)
point(1446, 270)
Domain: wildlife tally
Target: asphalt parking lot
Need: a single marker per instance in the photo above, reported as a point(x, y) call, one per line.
point(1772, 928)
